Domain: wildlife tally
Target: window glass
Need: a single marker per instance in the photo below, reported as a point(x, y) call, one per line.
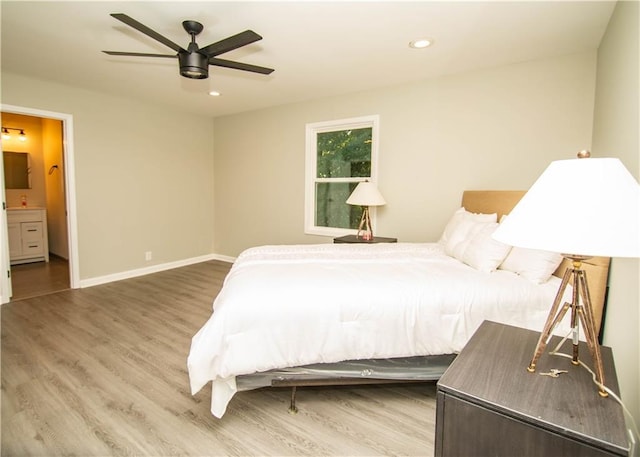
point(340, 154)
point(344, 153)
point(331, 207)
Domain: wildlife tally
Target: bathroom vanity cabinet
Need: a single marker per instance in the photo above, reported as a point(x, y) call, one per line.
point(28, 240)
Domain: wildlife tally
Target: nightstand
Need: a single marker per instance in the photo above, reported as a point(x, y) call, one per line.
point(355, 239)
point(489, 404)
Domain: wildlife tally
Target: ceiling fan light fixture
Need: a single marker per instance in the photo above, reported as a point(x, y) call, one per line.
point(193, 65)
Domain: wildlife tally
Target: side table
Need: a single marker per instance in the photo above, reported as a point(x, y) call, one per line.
point(355, 239)
point(487, 403)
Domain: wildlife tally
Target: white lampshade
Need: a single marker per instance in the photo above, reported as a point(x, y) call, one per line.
point(586, 206)
point(366, 194)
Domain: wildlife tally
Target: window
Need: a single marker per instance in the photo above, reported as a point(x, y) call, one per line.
point(339, 155)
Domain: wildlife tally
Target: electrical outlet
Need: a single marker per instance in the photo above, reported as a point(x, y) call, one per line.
point(148, 255)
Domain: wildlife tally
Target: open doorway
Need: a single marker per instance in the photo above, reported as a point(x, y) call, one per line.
point(39, 248)
point(33, 162)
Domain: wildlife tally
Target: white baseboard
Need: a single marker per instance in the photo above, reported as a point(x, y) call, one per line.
point(152, 269)
point(223, 258)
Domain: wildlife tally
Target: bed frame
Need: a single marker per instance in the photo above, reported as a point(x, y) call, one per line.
point(427, 368)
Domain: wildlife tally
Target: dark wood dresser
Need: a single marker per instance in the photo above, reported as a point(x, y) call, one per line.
point(488, 404)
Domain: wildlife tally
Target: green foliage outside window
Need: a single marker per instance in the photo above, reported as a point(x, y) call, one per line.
point(331, 207)
point(344, 153)
point(341, 154)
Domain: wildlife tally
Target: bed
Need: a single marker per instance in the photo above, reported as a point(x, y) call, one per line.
point(357, 313)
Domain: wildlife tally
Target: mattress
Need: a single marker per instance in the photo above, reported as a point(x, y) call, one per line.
point(296, 305)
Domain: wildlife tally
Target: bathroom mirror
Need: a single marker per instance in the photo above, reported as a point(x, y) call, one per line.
point(17, 170)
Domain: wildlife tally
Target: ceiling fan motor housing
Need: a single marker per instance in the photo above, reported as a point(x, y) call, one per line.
point(193, 65)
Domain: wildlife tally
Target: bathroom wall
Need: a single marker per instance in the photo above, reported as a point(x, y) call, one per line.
point(36, 196)
point(54, 178)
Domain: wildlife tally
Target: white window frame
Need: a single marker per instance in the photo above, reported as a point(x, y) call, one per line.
point(311, 133)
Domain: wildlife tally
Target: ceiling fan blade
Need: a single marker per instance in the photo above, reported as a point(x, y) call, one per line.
point(138, 54)
point(240, 66)
point(146, 30)
point(231, 43)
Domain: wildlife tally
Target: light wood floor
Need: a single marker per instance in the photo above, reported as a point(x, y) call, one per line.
point(102, 371)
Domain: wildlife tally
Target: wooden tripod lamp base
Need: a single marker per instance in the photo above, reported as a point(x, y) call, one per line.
point(365, 194)
point(581, 314)
point(364, 229)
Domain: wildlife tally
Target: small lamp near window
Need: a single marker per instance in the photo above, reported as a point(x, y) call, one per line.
point(581, 208)
point(366, 194)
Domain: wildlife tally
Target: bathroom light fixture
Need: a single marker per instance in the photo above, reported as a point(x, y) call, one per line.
point(6, 135)
point(421, 43)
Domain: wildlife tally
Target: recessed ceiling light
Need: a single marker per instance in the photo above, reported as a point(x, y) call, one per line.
point(214, 93)
point(421, 43)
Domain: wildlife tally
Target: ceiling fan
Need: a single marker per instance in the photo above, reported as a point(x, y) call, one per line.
point(194, 61)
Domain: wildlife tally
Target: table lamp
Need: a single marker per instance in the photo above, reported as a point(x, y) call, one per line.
point(580, 208)
point(366, 194)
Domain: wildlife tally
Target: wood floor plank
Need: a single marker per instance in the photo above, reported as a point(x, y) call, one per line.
point(102, 371)
point(39, 278)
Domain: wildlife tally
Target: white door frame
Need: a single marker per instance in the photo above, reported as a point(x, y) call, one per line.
point(70, 196)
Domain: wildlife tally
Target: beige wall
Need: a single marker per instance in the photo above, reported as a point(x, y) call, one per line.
point(144, 176)
point(615, 133)
point(490, 129)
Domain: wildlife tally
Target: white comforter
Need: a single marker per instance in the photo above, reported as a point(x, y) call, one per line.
point(284, 306)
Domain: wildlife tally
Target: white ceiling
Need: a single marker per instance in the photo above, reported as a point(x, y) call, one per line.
point(318, 49)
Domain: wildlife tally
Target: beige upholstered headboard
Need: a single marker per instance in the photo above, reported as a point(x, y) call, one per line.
point(502, 202)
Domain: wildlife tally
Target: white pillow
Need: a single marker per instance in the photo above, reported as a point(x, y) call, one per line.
point(461, 215)
point(533, 264)
point(483, 252)
point(454, 221)
point(462, 236)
